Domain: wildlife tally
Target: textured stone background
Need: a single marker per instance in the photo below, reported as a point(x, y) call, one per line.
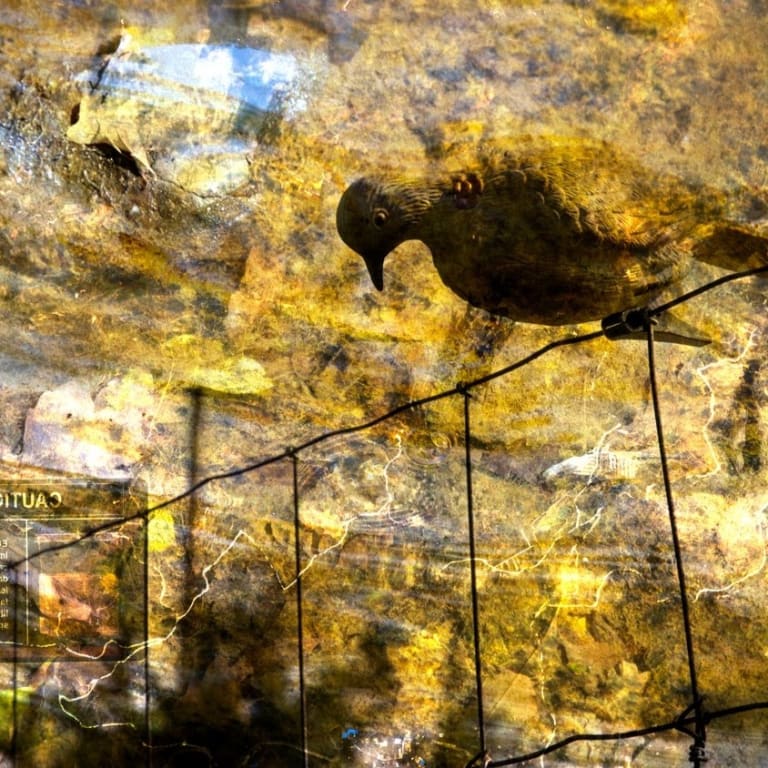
point(178, 304)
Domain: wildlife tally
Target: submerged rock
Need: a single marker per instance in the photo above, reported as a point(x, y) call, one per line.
point(70, 431)
point(190, 113)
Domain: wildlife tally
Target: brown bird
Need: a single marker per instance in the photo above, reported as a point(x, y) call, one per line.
point(548, 230)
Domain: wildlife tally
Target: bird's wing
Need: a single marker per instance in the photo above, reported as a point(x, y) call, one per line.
point(589, 189)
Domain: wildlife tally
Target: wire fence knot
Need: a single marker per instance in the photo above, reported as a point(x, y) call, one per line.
point(626, 324)
point(697, 754)
point(463, 388)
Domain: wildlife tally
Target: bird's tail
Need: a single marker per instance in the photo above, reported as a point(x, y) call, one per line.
point(740, 240)
point(734, 247)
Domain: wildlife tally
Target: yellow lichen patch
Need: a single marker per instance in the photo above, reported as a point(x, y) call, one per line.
point(19, 697)
point(203, 363)
point(421, 667)
point(161, 531)
point(109, 583)
point(578, 587)
point(659, 17)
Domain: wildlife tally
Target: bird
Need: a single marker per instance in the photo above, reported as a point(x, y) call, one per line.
point(548, 230)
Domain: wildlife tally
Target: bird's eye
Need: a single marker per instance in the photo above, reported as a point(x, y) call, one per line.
point(379, 218)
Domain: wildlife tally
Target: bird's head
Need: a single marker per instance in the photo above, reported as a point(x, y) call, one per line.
point(374, 216)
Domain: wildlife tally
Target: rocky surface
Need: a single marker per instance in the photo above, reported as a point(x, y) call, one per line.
point(177, 306)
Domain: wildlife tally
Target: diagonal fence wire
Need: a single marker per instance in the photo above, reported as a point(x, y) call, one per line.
point(679, 724)
point(633, 322)
point(458, 389)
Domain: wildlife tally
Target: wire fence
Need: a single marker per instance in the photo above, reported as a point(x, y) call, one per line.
point(639, 324)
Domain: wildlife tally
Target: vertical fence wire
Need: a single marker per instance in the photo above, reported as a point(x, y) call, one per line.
point(147, 691)
point(473, 572)
point(697, 751)
point(299, 609)
point(15, 670)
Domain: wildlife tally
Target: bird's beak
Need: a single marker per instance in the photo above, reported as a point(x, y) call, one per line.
point(375, 264)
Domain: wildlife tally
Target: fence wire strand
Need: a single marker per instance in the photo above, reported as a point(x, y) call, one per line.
point(692, 721)
point(697, 753)
point(473, 571)
point(299, 607)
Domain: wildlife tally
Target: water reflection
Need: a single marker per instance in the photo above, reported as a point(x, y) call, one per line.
point(197, 109)
point(234, 280)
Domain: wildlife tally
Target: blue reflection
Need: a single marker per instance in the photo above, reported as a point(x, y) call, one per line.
point(256, 78)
